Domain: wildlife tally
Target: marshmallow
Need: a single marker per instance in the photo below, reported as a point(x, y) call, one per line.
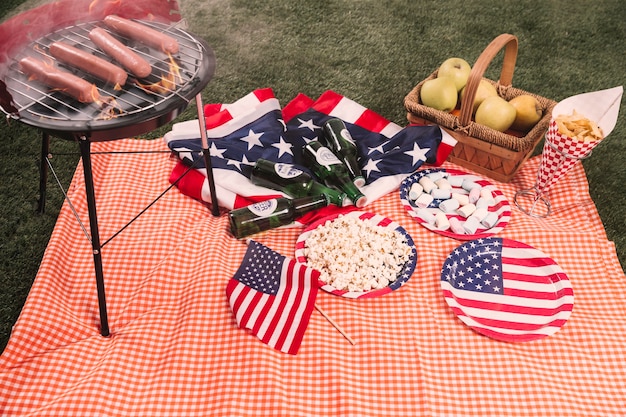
point(484, 203)
point(471, 225)
point(456, 180)
point(441, 193)
point(463, 199)
point(443, 184)
point(441, 221)
point(435, 176)
point(480, 213)
point(427, 184)
point(449, 206)
point(426, 215)
point(490, 220)
point(466, 210)
point(456, 226)
point(474, 195)
point(469, 184)
point(424, 200)
point(415, 191)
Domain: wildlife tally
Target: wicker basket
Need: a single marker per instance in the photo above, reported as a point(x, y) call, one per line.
point(487, 151)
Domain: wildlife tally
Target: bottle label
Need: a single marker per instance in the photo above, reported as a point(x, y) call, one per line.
point(286, 171)
point(263, 208)
point(326, 157)
point(347, 136)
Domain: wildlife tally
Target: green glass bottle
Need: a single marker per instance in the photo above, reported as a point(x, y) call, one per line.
point(272, 213)
point(331, 171)
point(335, 197)
point(281, 177)
point(337, 137)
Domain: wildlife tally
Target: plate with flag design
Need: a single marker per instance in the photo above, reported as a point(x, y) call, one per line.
point(497, 207)
point(506, 290)
point(403, 270)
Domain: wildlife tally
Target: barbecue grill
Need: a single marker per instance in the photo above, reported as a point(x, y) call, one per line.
point(139, 106)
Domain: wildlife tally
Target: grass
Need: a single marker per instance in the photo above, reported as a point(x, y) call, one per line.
point(370, 51)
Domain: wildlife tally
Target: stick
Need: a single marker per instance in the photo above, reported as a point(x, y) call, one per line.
point(335, 325)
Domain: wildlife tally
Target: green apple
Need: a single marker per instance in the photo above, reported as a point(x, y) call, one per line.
point(496, 113)
point(439, 93)
point(456, 68)
point(485, 89)
point(529, 112)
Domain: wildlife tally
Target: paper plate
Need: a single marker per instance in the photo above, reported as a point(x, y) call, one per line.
point(500, 205)
point(506, 290)
point(403, 276)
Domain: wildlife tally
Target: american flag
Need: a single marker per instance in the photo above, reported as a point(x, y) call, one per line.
point(256, 127)
point(506, 289)
point(273, 296)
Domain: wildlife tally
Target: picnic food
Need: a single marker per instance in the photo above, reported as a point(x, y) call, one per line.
point(118, 51)
point(64, 81)
point(356, 254)
point(439, 93)
point(485, 89)
point(328, 168)
point(496, 113)
point(456, 68)
point(578, 127)
point(528, 112)
point(142, 33)
point(89, 63)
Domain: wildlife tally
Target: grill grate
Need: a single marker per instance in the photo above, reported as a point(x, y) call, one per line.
point(42, 107)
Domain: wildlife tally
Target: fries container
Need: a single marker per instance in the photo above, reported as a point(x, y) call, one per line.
point(561, 152)
point(498, 155)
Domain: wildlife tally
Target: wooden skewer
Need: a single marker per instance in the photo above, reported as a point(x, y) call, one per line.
point(335, 325)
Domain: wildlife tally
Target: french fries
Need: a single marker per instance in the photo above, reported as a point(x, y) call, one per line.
point(578, 127)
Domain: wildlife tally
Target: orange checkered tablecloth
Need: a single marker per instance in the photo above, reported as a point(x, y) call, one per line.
point(175, 348)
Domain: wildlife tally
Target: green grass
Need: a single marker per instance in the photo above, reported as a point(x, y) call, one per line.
point(370, 51)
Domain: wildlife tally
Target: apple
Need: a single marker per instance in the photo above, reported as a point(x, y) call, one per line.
point(456, 68)
point(529, 112)
point(485, 89)
point(496, 113)
point(439, 93)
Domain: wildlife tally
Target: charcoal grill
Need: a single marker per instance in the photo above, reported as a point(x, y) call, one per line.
point(140, 106)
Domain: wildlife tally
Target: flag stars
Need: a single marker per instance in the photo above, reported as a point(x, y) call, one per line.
point(252, 139)
point(371, 166)
point(308, 124)
point(283, 147)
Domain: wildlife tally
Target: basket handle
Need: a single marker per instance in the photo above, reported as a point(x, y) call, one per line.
point(481, 64)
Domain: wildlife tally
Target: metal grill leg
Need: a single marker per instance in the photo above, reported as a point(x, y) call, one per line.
point(95, 235)
point(43, 172)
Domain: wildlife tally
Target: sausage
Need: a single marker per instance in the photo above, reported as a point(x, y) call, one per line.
point(64, 81)
point(142, 33)
point(89, 63)
point(137, 66)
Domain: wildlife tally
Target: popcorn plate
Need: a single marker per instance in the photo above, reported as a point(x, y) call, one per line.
point(506, 290)
point(500, 209)
point(402, 277)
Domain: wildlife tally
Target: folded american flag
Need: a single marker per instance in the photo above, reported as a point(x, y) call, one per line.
point(256, 127)
point(273, 296)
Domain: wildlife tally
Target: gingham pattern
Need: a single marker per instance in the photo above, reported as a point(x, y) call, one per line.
point(559, 155)
point(175, 348)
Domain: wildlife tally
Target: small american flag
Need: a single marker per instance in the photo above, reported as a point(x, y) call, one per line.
point(506, 289)
point(273, 296)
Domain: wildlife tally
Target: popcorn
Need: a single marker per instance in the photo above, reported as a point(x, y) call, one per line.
point(356, 255)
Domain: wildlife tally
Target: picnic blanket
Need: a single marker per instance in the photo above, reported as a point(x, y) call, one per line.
point(175, 348)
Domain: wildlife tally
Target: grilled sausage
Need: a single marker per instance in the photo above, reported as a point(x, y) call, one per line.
point(137, 66)
point(89, 63)
point(142, 33)
point(63, 81)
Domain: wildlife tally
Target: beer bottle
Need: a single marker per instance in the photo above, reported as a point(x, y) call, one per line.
point(331, 170)
point(293, 181)
point(337, 137)
point(272, 213)
point(282, 177)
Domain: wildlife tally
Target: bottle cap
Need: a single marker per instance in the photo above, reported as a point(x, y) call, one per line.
point(359, 181)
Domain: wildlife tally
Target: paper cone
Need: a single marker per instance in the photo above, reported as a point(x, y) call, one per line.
point(560, 152)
